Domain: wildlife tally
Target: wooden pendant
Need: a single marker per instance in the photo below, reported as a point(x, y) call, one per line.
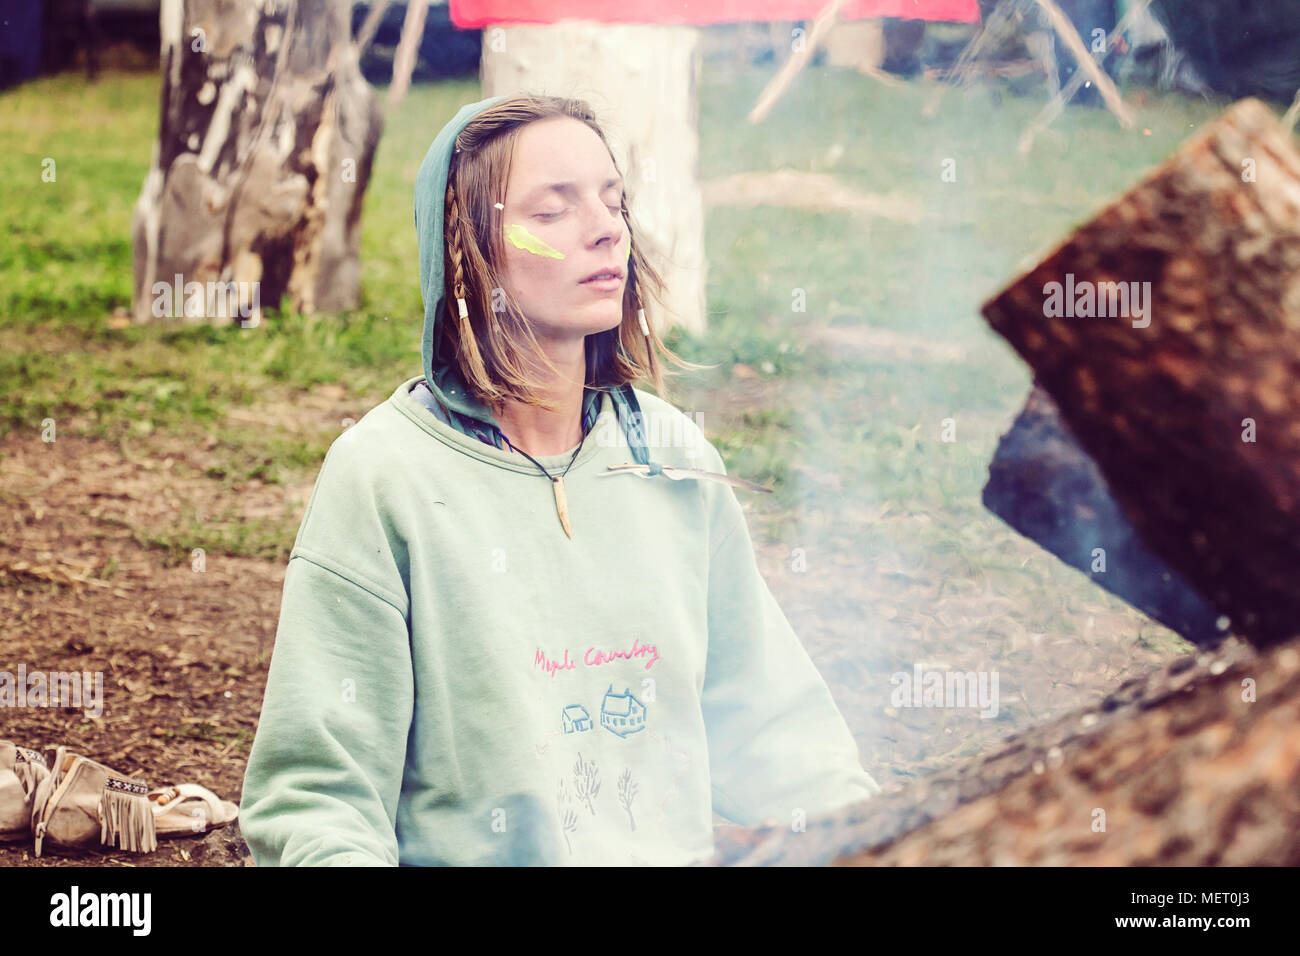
point(562, 505)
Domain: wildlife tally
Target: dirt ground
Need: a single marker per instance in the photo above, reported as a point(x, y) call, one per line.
point(183, 651)
point(95, 575)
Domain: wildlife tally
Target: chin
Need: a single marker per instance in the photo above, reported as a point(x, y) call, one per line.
point(607, 319)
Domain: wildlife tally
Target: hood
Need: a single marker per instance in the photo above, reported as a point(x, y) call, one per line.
point(440, 370)
point(430, 192)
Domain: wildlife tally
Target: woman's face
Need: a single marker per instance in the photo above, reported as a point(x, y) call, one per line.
point(562, 223)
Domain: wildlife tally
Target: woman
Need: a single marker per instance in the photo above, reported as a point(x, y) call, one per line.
point(492, 647)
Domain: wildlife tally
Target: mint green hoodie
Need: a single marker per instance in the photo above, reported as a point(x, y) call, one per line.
point(455, 681)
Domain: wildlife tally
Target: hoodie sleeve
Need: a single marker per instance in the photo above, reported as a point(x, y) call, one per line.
point(777, 742)
point(325, 771)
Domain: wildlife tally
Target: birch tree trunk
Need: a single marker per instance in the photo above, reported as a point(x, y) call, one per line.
point(266, 138)
point(641, 80)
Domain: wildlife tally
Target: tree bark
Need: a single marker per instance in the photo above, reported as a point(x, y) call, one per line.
point(1190, 409)
point(266, 138)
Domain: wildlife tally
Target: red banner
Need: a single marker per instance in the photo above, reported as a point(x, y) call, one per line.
point(474, 14)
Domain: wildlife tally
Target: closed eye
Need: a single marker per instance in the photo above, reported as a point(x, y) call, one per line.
point(615, 210)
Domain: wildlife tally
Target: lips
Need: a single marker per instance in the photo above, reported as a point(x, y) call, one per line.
point(612, 273)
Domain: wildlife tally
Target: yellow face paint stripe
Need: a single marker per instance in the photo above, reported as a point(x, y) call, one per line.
point(521, 238)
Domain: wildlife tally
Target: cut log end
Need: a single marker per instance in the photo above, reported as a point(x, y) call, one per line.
point(1167, 332)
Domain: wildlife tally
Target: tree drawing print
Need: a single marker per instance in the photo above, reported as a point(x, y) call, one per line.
point(568, 817)
point(568, 823)
point(626, 794)
point(586, 782)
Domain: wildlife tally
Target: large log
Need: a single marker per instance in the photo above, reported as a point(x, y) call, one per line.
point(1152, 755)
point(266, 137)
point(1167, 330)
point(1182, 772)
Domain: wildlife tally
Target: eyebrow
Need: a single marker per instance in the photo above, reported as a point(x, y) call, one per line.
point(569, 187)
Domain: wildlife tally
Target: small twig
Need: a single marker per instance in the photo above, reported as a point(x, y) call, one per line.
point(792, 67)
point(961, 70)
point(407, 49)
point(370, 26)
point(59, 475)
point(1066, 31)
point(1293, 114)
point(1057, 104)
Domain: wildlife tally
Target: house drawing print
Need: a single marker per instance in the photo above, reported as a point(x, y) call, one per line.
point(576, 719)
point(621, 714)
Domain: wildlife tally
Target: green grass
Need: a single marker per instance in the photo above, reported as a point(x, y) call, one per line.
point(65, 266)
point(226, 533)
point(873, 419)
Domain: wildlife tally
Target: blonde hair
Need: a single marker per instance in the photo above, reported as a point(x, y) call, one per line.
point(491, 345)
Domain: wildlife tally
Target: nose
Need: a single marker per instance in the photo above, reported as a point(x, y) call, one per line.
point(602, 224)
